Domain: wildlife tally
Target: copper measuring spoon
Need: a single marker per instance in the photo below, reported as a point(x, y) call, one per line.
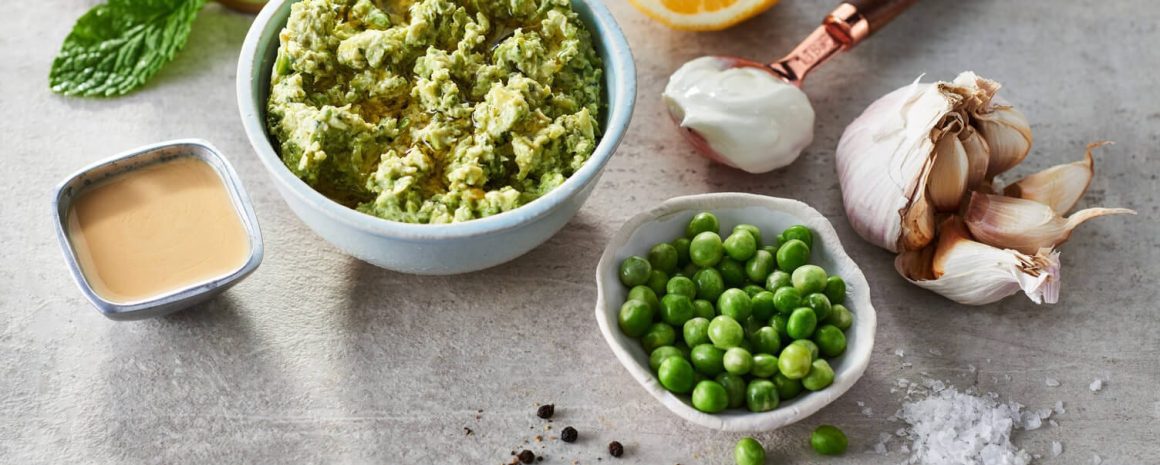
point(846, 26)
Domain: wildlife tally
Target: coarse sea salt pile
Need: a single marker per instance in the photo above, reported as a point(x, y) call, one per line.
point(948, 426)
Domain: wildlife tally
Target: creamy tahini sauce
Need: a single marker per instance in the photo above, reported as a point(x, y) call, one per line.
point(754, 120)
point(156, 230)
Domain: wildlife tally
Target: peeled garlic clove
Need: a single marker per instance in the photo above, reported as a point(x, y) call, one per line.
point(978, 156)
point(1060, 186)
point(1024, 225)
point(949, 174)
point(1008, 135)
point(974, 273)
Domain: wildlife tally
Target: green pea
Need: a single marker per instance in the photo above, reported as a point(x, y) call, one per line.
point(829, 440)
point(676, 309)
point(657, 280)
point(759, 267)
point(681, 285)
point(761, 396)
point(820, 376)
point(836, 289)
point(801, 323)
point(659, 334)
point(787, 299)
point(815, 351)
point(831, 341)
point(635, 318)
point(707, 359)
point(748, 452)
point(800, 233)
point(738, 361)
point(792, 254)
point(706, 249)
point(734, 386)
point(787, 388)
point(752, 290)
point(684, 348)
point(794, 361)
point(696, 331)
point(634, 271)
point(779, 322)
point(820, 304)
point(735, 303)
point(704, 309)
point(646, 295)
point(763, 305)
point(697, 378)
point(764, 366)
point(751, 229)
point(732, 271)
point(778, 279)
point(751, 326)
point(725, 332)
point(841, 317)
point(765, 341)
point(690, 269)
point(709, 284)
point(702, 222)
point(772, 248)
point(663, 257)
point(809, 279)
point(660, 354)
point(710, 397)
point(676, 375)
point(681, 244)
point(740, 246)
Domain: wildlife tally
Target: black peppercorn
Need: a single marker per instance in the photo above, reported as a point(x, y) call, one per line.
point(546, 411)
point(526, 456)
point(569, 434)
point(615, 449)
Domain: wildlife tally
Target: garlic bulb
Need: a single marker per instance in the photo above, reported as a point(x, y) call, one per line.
point(917, 171)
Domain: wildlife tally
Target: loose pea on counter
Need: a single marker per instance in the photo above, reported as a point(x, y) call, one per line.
point(734, 322)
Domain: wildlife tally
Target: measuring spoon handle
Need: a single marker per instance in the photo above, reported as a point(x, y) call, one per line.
point(879, 12)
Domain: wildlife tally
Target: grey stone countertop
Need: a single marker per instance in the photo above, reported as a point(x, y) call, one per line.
point(321, 359)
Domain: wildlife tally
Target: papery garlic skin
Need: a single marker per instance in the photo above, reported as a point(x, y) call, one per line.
point(881, 158)
point(753, 120)
point(1060, 186)
point(987, 274)
point(973, 273)
point(1025, 225)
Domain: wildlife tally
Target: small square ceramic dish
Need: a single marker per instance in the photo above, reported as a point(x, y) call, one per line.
point(667, 222)
point(71, 194)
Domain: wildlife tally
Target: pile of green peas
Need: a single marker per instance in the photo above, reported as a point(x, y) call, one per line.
point(736, 321)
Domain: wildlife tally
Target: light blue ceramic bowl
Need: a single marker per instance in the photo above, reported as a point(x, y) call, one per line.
point(436, 249)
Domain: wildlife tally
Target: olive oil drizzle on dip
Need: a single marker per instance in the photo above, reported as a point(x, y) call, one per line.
point(156, 230)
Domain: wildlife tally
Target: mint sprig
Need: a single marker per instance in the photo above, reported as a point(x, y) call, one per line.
point(117, 46)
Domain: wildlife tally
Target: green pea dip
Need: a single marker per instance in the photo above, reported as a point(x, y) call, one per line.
point(435, 111)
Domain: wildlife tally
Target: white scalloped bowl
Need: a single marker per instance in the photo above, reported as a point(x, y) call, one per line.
point(667, 222)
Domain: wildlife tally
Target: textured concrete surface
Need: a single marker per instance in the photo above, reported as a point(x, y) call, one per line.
point(320, 359)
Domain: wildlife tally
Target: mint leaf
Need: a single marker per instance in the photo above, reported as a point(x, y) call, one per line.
point(118, 45)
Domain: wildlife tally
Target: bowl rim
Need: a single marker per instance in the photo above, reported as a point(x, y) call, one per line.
point(618, 55)
point(857, 358)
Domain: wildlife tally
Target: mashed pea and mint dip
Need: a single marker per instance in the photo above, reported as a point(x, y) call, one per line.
point(435, 111)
